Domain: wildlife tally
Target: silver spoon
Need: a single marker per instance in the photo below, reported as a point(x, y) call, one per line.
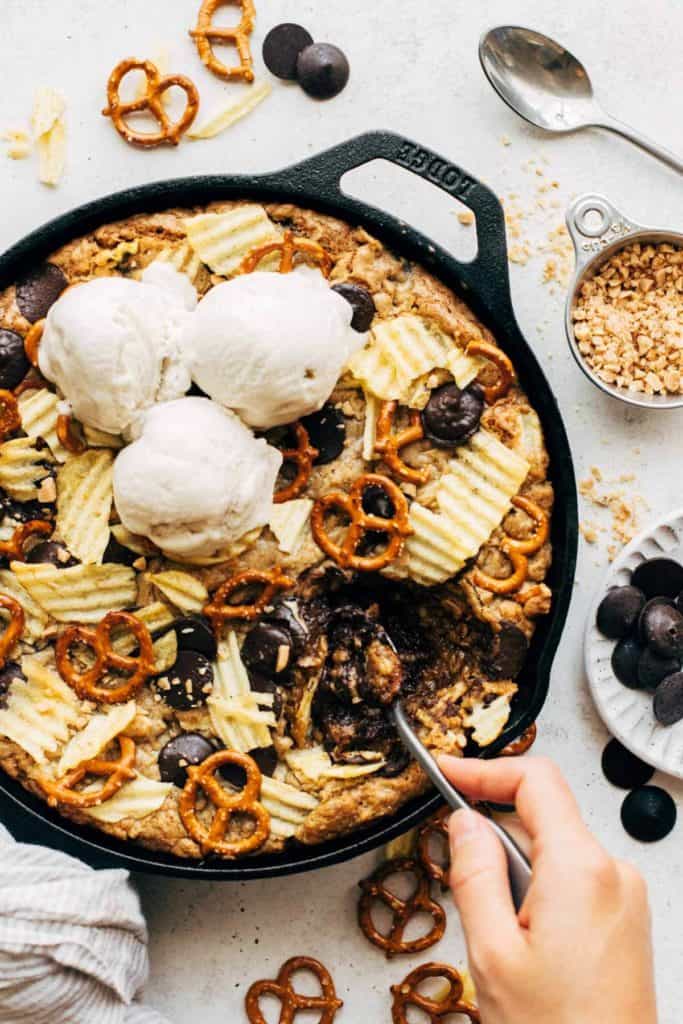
point(519, 868)
point(547, 86)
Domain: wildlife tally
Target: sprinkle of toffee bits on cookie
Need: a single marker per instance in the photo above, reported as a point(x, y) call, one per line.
point(281, 49)
point(14, 363)
point(624, 769)
point(188, 683)
point(39, 290)
point(648, 814)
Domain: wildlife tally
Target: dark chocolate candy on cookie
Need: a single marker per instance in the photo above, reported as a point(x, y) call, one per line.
point(194, 633)
point(14, 364)
point(266, 761)
point(452, 415)
point(51, 552)
point(619, 610)
point(361, 301)
point(326, 432)
point(625, 659)
point(661, 627)
point(668, 702)
point(8, 673)
point(39, 290)
point(652, 669)
point(183, 750)
point(659, 577)
point(188, 683)
point(508, 651)
point(119, 553)
point(648, 814)
point(624, 769)
point(376, 502)
point(322, 70)
point(262, 684)
point(281, 49)
point(268, 649)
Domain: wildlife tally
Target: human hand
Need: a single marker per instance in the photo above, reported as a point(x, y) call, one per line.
point(580, 948)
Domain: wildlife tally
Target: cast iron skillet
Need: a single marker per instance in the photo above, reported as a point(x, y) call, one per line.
point(484, 285)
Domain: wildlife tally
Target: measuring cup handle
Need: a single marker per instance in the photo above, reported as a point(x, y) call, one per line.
point(589, 238)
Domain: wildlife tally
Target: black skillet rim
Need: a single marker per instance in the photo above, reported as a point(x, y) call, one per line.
point(484, 284)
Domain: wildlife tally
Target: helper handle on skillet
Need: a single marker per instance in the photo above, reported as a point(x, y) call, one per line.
point(486, 275)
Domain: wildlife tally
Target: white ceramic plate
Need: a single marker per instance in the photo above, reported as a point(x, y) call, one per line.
point(628, 713)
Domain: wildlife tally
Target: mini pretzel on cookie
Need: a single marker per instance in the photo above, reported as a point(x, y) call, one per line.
point(419, 902)
point(206, 35)
point(13, 629)
point(289, 246)
point(32, 341)
point(304, 455)
point(397, 528)
point(510, 584)
point(69, 435)
point(13, 549)
point(219, 610)
point(389, 445)
point(506, 372)
point(227, 804)
point(408, 994)
point(117, 772)
point(87, 684)
point(540, 517)
point(290, 1000)
point(10, 417)
point(169, 131)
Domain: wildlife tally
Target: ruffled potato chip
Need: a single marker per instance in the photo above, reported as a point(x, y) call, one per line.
point(40, 712)
point(25, 465)
point(463, 367)
point(399, 351)
point(288, 522)
point(84, 499)
point(155, 616)
point(182, 258)
point(39, 412)
point(136, 799)
point(82, 593)
point(231, 697)
point(165, 652)
point(35, 618)
point(228, 114)
point(311, 763)
point(183, 590)
point(134, 542)
point(101, 729)
point(353, 771)
point(222, 240)
point(288, 806)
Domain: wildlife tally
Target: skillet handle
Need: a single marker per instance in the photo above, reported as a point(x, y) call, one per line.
point(487, 274)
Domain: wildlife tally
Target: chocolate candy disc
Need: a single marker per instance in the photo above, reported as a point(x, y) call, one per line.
point(10, 671)
point(195, 634)
point(14, 364)
point(376, 502)
point(181, 751)
point(648, 814)
point(268, 649)
point(265, 758)
point(51, 552)
point(116, 552)
point(661, 627)
point(362, 303)
point(624, 769)
point(508, 652)
point(188, 683)
point(652, 669)
point(625, 659)
point(39, 290)
point(322, 70)
point(659, 577)
point(452, 415)
point(281, 48)
point(668, 702)
point(326, 432)
point(619, 611)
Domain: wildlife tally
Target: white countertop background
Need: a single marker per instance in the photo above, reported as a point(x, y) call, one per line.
point(414, 70)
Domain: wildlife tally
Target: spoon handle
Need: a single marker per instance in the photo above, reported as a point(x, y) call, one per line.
point(627, 132)
point(519, 868)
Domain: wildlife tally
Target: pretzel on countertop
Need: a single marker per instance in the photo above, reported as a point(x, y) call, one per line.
point(219, 610)
point(434, 827)
point(407, 994)
point(419, 902)
point(522, 743)
point(397, 528)
point(290, 1000)
point(304, 455)
point(13, 629)
point(506, 372)
point(70, 435)
point(117, 772)
point(389, 445)
point(169, 131)
point(289, 246)
point(10, 417)
point(13, 549)
point(206, 35)
point(227, 804)
point(86, 684)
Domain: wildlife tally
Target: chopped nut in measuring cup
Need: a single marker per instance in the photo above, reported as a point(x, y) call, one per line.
point(628, 319)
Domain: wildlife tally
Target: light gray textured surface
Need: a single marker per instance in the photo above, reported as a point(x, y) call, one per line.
point(415, 70)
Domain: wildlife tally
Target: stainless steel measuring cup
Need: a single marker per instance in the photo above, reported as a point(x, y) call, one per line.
point(598, 230)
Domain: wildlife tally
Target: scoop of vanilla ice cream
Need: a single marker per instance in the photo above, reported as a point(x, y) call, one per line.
point(272, 346)
point(196, 480)
point(114, 346)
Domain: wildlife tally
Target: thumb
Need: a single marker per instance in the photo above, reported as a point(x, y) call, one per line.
point(479, 881)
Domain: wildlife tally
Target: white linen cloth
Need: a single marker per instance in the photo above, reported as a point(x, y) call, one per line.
point(73, 941)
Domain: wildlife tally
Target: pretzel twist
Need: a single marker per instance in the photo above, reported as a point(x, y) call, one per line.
point(522, 743)
point(10, 417)
point(420, 902)
point(86, 684)
point(289, 246)
point(32, 341)
point(14, 628)
point(117, 772)
point(511, 583)
point(304, 455)
point(407, 994)
point(389, 445)
point(540, 517)
point(291, 1001)
point(506, 371)
point(437, 826)
point(13, 549)
point(219, 611)
point(70, 434)
point(397, 528)
point(206, 34)
point(212, 840)
point(169, 131)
